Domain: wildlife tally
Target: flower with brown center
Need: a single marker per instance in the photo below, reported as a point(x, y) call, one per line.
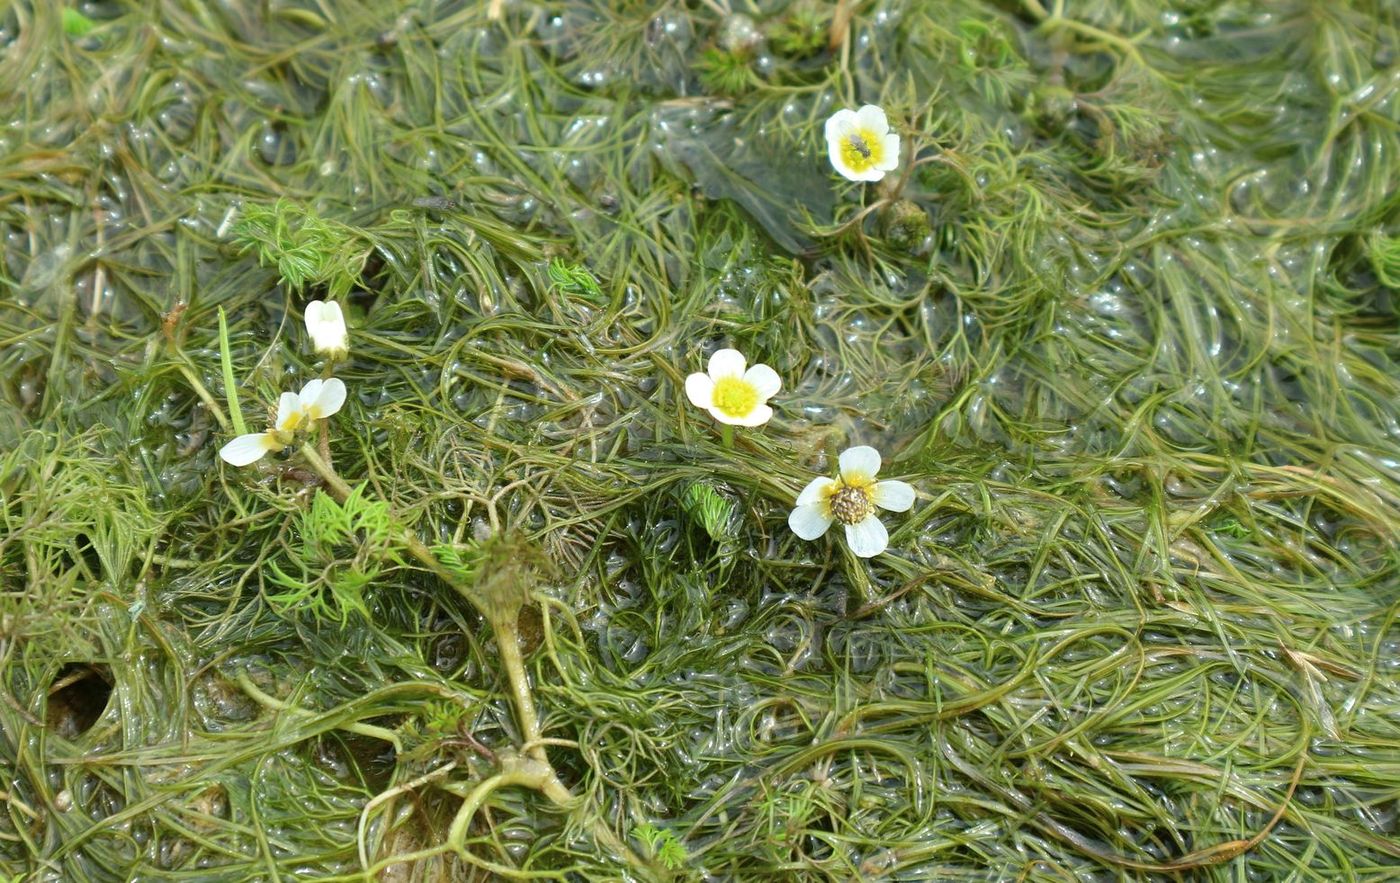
point(851, 501)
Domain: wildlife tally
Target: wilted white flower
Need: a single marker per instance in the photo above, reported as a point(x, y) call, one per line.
point(851, 500)
point(731, 394)
point(295, 411)
point(326, 324)
point(860, 143)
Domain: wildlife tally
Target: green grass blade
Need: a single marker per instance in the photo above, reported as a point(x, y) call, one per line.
point(230, 388)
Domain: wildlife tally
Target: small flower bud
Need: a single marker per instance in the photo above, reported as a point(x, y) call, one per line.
point(326, 324)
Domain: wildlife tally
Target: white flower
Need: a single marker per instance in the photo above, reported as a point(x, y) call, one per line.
point(731, 394)
point(321, 398)
point(860, 143)
point(852, 500)
point(326, 324)
point(295, 411)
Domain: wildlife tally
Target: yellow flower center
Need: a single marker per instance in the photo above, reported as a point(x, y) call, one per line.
point(734, 397)
point(849, 503)
point(862, 150)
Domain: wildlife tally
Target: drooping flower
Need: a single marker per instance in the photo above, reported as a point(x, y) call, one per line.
point(852, 501)
point(860, 143)
point(326, 324)
point(295, 411)
point(731, 394)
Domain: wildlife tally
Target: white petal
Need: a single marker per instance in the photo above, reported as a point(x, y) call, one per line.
point(726, 363)
point(765, 380)
point(725, 418)
point(312, 313)
point(247, 448)
point(330, 398)
point(860, 462)
point(867, 538)
point(760, 415)
point(288, 411)
point(809, 522)
point(872, 118)
point(896, 496)
point(700, 389)
point(838, 124)
point(813, 492)
point(833, 152)
point(311, 391)
point(890, 157)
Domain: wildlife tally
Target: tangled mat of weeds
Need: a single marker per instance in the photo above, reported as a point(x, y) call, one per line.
point(1130, 328)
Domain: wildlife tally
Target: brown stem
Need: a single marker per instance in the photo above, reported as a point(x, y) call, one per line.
point(840, 24)
point(324, 442)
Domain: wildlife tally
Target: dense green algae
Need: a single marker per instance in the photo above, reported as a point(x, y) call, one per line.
point(1142, 368)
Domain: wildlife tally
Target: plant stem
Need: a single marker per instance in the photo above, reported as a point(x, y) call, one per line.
point(183, 366)
point(362, 729)
point(508, 643)
point(726, 435)
point(534, 769)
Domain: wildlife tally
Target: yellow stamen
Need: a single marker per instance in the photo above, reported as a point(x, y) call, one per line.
point(734, 397)
point(862, 149)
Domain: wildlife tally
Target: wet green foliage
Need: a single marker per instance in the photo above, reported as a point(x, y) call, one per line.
point(305, 248)
point(712, 510)
point(802, 29)
point(725, 72)
point(575, 279)
point(76, 24)
point(1126, 317)
point(343, 549)
point(661, 845)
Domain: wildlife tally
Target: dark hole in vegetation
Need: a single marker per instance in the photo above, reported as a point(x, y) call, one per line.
point(448, 652)
point(352, 756)
point(82, 543)
point(373, 278)
point(77, 698)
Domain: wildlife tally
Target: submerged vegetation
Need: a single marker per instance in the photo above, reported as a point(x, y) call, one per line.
point(1124, 317)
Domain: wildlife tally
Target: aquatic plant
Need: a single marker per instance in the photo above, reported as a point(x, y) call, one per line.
point(1128, 326)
